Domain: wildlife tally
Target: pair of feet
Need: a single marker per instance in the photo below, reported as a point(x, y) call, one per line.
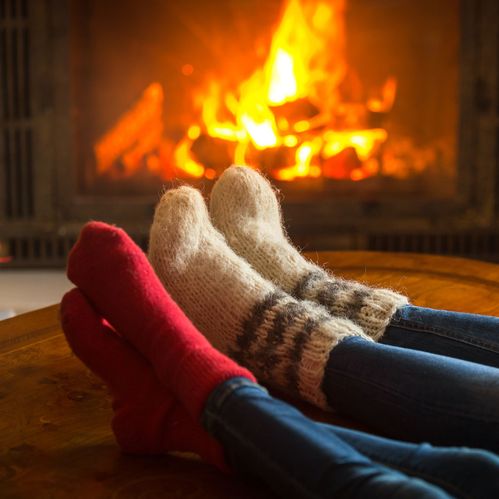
point(130, 332)
point(124, 326)
point(250, 292)
point(244, 207)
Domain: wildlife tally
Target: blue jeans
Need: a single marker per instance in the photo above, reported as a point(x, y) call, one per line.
point(298, 457)
point(404, 388)
point(463, 336)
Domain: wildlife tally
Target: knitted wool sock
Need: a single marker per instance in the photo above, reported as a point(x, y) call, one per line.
point(147, 418)
point(245, 209)
point(286, 343)
point(113, 272)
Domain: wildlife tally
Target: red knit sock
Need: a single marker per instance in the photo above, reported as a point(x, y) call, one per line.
point(147, 418)
point(114, 273)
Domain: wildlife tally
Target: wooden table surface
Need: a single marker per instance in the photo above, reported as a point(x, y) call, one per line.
point(55, 438)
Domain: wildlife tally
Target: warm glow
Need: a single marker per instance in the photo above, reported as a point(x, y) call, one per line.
point(290, 140)
point(363, 141)
point(262, 133)
point(388, 93)
point(136, 133)
point(294, 104)
point(282, 85)
point(187, 69)
point(194, 132)
point(189, 165)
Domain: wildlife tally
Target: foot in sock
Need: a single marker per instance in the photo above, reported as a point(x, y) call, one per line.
point(284, 342)
point(244, 207)
point(147, 417)
point(114, 274)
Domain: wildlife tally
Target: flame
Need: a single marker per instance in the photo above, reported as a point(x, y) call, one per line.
point(387, 100)
point(363, 141)
point(282, 80)
point(307, 50)
point(189, 164)
point(293, 103)
point(136, 133)
point(306, 61)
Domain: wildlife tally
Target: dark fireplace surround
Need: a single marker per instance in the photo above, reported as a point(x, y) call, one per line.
point(41, 209)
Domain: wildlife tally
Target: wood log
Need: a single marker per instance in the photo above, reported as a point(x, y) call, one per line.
point(341, 165)
point(298, 110)
point(213, 153)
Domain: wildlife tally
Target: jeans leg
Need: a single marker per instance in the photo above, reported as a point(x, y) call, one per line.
point(412, 395)
point(295, 456)
point(460, 471)
point(464, 336)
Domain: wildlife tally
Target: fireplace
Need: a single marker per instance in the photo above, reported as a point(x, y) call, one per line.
point(378, 121)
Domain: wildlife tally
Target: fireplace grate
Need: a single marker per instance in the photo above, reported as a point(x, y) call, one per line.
point(480, 245)
point(43, 251)
point(16, 140)
point(49, 251)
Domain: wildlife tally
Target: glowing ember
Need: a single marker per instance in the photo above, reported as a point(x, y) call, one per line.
point(293, 104)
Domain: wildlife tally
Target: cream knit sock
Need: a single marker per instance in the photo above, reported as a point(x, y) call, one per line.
point(286, 343)
point(245, 209)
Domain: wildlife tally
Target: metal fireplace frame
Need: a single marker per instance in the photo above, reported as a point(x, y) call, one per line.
point(41, 210)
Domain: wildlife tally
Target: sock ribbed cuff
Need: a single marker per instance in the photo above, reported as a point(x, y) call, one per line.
point(208, 372)
point(370, 308)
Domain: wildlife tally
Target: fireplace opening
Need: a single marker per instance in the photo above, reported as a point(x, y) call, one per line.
point(349, 97)
point(376, 119)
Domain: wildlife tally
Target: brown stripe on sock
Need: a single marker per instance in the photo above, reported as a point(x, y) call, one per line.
point(248, 335)
point(300, 343)
point(327, 295)
point(306, 282)
point(356, 303)
point(266, 357)
point(352, 303)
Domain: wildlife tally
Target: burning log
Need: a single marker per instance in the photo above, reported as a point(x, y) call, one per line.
point(293, 112)
point(342, 164)
point(213, 153)
point(272, 158)
point(133, 130)
point(162, 162)
point(302, 114)
point(145, 144)
point(376, 119)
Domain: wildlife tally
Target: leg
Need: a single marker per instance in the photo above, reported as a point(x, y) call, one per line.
point(294, 455)
point(464, 336)
point(412, 395)
point(244, 207)
point(172, 363)
point(284, 342)
point(458, 470)
point(149, 420)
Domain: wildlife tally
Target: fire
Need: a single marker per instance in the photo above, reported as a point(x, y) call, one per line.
point(136, 132)
point(292, 106)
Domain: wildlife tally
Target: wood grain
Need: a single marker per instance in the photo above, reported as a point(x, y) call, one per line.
point(55, 439)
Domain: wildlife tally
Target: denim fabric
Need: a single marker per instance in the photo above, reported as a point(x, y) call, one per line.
point(464, 336)
point(413, 395)
point(297, 457)
point(460, 471)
